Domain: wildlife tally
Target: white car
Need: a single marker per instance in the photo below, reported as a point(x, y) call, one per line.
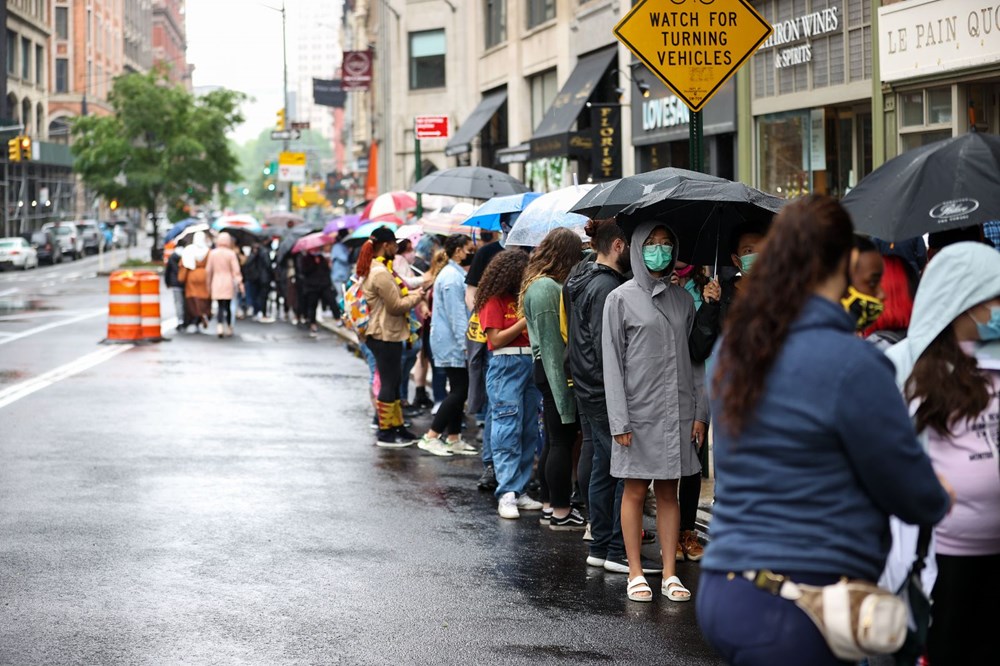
point(17, 253)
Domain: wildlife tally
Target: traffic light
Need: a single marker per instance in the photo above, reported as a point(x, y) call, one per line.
point(113, 205)
point(280, 123)
point(25, 142)
point(14, 149)
point(270, 168)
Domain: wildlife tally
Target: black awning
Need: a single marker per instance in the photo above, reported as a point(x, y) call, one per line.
point(474, 124)
point(514, 154)
point(554, 133)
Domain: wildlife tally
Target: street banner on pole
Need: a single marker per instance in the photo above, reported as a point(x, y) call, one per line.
point(329, 93)
point(291, 167)
point(431, 127)
point(357, 71)
point(693, 46)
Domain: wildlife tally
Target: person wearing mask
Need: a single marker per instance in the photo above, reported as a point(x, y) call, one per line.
point(449, 322)
point(257, 280)
point(515, 398)
point(224, 276)
point(172, 280)
point(899, 285)
point(197, 297)
point(864, 299)
point(403, 264)
point(587, 290)
point(657, 410)
point(811, 436)
point(539, 303)
point(389, 305)
point(317, 286)
point(405, 258)
point(954, 399)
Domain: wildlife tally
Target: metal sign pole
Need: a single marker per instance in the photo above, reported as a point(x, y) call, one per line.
point(418, 171)
point(696, 150)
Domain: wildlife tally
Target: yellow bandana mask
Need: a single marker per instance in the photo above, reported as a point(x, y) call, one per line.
point(862, 308)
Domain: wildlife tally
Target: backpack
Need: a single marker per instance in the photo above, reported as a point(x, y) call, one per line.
point(356, 313)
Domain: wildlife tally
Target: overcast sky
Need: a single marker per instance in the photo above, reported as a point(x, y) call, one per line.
point(237, 44)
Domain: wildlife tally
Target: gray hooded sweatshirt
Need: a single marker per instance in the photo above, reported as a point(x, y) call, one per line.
point(653, 389)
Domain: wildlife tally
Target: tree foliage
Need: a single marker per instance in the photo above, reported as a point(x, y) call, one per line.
point(162, 146)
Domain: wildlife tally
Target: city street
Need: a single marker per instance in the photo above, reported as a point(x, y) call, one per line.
point(220, 501)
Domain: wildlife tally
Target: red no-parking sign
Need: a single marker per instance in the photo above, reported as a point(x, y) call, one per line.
point(431, 127)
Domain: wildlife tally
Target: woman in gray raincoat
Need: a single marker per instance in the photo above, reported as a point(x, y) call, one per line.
point(657, 406)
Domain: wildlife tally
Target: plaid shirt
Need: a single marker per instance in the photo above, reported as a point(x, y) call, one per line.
point(991, 230)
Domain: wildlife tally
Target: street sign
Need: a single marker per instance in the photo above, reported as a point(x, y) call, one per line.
point(291, 167)
point(357, 71)
point(286, 135)
point(693, 46)
point(431, 127)
point(300, 126)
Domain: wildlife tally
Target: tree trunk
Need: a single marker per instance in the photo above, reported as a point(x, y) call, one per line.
point(156, 253)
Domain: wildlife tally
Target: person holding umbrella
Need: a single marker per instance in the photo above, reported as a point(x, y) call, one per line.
point(389, 304)
point(317, 285)
point(657, 408)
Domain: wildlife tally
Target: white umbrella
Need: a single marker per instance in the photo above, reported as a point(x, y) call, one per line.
point(546, 213)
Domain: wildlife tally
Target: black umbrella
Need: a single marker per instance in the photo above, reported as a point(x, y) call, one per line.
point(704, 214)
point(608, 199)
point(944, 185)
point(242, 237)
point(472, 182)
point(291, 237)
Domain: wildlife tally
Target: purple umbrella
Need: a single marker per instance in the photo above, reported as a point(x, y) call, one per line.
point(348, 222)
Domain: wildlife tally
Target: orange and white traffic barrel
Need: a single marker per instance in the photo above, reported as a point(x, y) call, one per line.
point(149, 306)
point(124, 313)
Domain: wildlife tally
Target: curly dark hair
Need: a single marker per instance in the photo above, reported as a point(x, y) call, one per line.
point(810, 240)
point(502, 277)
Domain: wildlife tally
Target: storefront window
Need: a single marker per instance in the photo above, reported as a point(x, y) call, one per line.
point(783, 139)
point(913, 108)
point(911, 141)
point(939, 106)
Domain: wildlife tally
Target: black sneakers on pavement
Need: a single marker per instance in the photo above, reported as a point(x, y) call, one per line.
point(571, 522)
point(488, 481)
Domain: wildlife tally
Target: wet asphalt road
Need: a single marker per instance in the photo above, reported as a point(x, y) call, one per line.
point(220, 501)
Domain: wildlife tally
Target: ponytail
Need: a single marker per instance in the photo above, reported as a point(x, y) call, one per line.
point(365, 257)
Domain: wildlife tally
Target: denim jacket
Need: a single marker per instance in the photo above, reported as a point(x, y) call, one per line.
point(450, 319)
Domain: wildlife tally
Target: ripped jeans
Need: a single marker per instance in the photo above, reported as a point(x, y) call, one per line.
point(514, 436)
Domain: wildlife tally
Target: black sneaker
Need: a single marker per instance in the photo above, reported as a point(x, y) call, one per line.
point(648, 537)
point(374, 423)
point(488, 481)
point(546, 517)
point(407, 434)
point(409, 411)
point(391, 439)
point(572, 522)
point(620, 565)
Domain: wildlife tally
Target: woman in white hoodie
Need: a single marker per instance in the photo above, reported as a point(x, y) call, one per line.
point(953, 395)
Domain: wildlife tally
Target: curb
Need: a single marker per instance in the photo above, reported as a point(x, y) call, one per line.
point(347, 336)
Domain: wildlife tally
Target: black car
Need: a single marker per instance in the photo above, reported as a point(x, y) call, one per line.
point(47, 246)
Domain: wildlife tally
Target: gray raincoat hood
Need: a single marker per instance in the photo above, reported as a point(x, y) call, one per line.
point(639, 271)
point(959, 277)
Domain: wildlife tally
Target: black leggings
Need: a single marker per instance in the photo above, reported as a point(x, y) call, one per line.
point(556, 464)
point(585, 466)
point(960, 634)
point(451, 412)
point(389, 361)
point(326, 296)
point(225, 313)
point(689, 495)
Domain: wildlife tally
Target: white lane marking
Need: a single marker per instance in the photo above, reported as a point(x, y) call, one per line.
point(9, 292)
point(26, 388)
point(55, 324)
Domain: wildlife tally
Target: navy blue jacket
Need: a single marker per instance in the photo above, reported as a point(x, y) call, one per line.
point(829, 453)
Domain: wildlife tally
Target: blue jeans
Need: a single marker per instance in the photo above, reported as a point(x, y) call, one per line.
point(750, 627)
point(487, 451)
point(514, 408)
point(370, 360)
point(605, 492)
point(439, 383)
point(409, 360)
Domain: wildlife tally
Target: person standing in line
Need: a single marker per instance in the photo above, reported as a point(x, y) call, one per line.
point(449, 322)
point(223, 274)
point(389, 304)
point(514, 397)
point(257, 281)
point(340, 264)
point(541, 294)
point(171, 276)
point(317, 286)
point(955, 403)
point(812, 436)
point(657, 408)
point(197, 297)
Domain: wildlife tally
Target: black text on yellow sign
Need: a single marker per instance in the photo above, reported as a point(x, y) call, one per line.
point(693, 46)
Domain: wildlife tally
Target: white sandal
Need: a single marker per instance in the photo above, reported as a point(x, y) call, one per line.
point(674, 590)
point(637, 586)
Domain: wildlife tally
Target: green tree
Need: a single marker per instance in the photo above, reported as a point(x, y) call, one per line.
point(161, 148)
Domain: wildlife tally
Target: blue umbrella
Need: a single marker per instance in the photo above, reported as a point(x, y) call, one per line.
point(176, 230)
point(487, 217)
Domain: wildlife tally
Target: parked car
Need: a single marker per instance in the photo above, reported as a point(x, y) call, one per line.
point(69, 239)
point(17, 253)
point(46, 247)
point(90, 235)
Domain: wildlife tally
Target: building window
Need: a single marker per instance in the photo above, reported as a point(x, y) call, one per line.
point(39, 65)
point(496, 22)
point(540, 11)
point(11, 52)
point(543, 92)
point(62, 22)
point(25, 59)
point(62, 75)
point(427, 68)
point(925, 117)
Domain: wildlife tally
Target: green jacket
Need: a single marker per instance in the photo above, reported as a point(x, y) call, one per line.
point(541, 309)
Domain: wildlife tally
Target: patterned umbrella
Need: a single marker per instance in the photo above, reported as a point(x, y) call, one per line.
point(546, 213)
point(389, 203)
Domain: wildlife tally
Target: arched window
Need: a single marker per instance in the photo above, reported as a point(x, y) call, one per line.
point(40, 120)
point(26, 115)
point(59, 131)
point(15, 108)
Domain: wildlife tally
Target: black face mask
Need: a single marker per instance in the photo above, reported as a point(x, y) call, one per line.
point(468, 259)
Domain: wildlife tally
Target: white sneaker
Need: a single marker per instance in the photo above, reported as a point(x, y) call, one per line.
point(525, 503)
point(507, 507)
point(587, 536)
point(434, 446)
point(267, 320)
point(462, 448)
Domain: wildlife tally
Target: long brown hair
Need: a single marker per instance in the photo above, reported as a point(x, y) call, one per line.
point(808, 242)
point(502, 277)
point(948, 384)
point(559, 251)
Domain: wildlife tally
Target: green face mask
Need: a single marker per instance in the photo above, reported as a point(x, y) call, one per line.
point(746, 262)
point(657, 257)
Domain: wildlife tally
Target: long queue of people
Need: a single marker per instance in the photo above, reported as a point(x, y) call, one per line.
point(821, 435)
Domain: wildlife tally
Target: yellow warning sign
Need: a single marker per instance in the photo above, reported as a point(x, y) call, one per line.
point(693, 46)
point(292, 159)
